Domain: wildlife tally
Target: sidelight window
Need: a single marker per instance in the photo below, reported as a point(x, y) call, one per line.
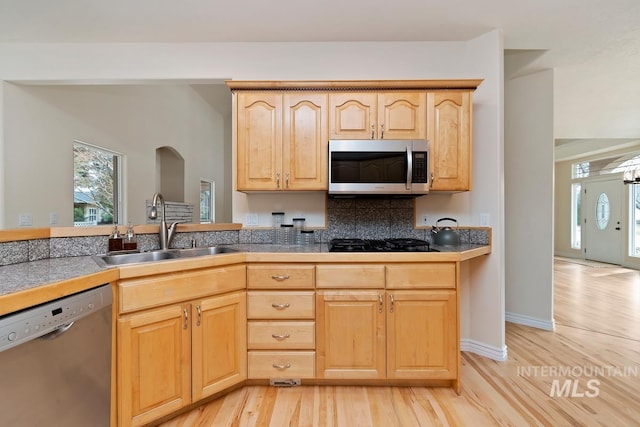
point(576, 215)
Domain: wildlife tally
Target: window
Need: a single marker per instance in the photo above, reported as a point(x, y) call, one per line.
point(634, 220)
point(96, 185)
point(580, 170)
point(576, 229)
point(92, 215)
point(207, 197)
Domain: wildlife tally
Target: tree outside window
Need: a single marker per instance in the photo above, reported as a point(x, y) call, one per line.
point(95, 185)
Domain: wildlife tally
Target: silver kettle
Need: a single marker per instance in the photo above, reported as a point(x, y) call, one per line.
point(445, 236)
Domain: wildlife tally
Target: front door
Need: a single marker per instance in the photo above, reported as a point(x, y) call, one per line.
point(603, 221)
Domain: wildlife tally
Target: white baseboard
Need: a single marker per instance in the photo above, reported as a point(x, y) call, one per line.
point(495, 353)
point(534, 322)
point(570, 254)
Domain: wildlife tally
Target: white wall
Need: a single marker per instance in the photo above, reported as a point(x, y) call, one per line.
point(607, 109)
point(41, 123)
point(528, 173)
point(482, 290)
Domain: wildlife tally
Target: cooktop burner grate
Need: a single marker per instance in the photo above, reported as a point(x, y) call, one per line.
point(376, 245)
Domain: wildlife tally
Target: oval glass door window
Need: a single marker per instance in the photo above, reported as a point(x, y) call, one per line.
point(602, 211)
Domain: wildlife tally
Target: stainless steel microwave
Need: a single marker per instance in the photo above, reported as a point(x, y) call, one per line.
point(378, 167)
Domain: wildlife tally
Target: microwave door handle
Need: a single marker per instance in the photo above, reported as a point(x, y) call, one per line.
point(409, 167)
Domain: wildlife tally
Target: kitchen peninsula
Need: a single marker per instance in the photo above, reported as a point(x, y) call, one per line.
point(285, 330)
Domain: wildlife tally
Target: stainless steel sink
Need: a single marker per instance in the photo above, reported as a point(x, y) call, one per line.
point(210, 250)
point(159, 255)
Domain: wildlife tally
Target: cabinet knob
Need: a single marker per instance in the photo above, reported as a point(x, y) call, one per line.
point(280, 277)
point(382, 131)
point(373, 131)
point(278, 180)
point(185, 312)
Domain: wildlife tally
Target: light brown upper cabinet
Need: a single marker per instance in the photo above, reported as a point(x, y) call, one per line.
point(377, 115)
point(282, 140)
point(449, 134)
point(283, 127)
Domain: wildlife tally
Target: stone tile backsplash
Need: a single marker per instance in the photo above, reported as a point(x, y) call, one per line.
point(378, 218)
point(360, 218)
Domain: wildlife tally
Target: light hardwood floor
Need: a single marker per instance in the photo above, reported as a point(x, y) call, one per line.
point(597, 339)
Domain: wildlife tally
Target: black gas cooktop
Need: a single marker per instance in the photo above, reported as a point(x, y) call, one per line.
point(384, 245)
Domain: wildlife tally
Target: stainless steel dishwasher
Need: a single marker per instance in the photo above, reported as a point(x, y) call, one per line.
point(55, 362)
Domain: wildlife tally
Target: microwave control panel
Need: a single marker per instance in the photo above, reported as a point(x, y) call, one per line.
point(419, 174)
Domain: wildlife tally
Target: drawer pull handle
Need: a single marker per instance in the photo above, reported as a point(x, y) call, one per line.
point(280, 277)
point(280, 337)
point(280, 306)
point(287, 366)
point(186, 318)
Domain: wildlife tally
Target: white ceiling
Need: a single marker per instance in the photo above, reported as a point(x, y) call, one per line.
point(567, 30)
point(537, 34)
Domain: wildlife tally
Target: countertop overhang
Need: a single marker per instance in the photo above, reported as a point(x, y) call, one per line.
point(31, 283)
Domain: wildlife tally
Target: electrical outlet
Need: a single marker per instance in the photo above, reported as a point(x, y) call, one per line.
point(53, 218)
point(484, 220)
point(25, 220)
point(251, 220)
point(424, 219)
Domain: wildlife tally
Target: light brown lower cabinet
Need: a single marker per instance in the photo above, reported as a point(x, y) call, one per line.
point(281, 333)
point(171, 356)
point(376, 334)
point(422, 335)
point(350, 334)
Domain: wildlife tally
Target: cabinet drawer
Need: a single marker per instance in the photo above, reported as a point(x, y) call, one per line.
point(280, 276)
point(421, 275)
point(281, 364)
point(280, 305)
point(281, 335)
point(350, 276)
point(153, 291)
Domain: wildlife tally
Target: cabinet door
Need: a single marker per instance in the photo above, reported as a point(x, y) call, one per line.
point(350, 340)
point(305, 141)
point(402, 115)
point(353, 115)
point(422, 335)
point(219, 349)
point(259, 141)
point(449, 133)
point(154, 364)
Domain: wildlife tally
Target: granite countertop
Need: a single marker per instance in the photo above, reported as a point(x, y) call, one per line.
point(27, 275)
point(61, 276)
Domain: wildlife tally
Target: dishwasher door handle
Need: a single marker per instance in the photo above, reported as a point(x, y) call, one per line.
point(57, 332)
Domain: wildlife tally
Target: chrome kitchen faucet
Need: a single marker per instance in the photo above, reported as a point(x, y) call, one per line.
point(165, 233)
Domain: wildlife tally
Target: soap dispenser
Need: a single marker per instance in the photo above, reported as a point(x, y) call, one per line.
point(115, 240)
point(130, 243)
